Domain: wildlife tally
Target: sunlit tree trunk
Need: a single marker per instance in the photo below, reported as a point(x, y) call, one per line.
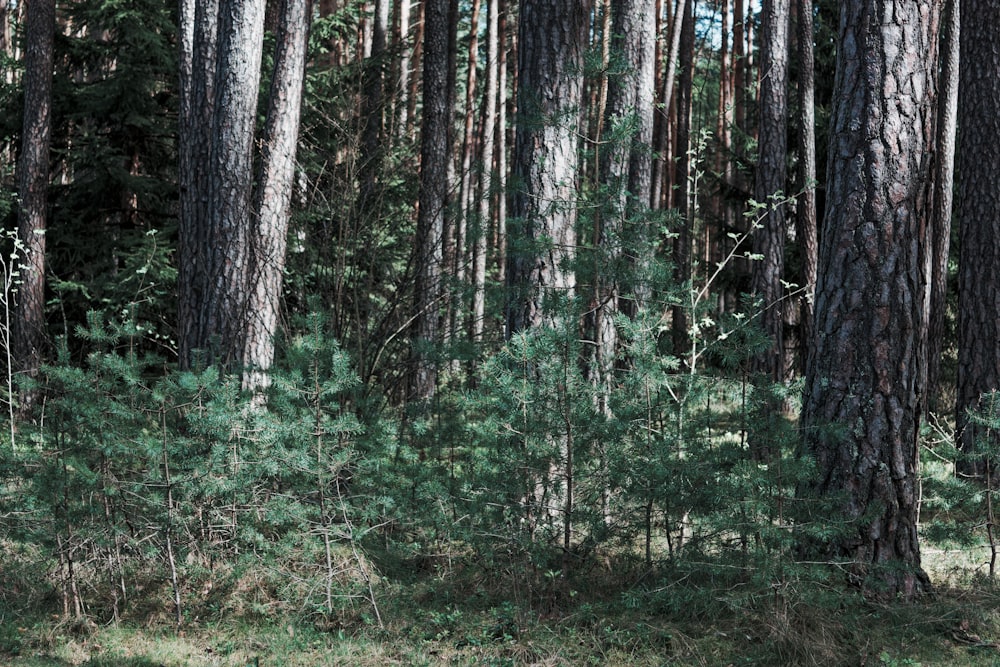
point(241, 35)
point(661, 165)
point(979, 225)
point(865, 380)
point(487, 142)
point(274, 189)
point(551, 44)
point(624, 170)
point(28, 336)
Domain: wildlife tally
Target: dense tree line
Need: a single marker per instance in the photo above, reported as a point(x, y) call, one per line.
point(559, 229)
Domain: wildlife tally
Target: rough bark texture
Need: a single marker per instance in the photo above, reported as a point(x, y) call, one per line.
point(274, 189)
point(28, 339)
point(625, 169)
point(551, 42)
point(241, 35)
point(944, 179)
point(199, 36)
point(435, 145)
point(805, 210)
point(866, 374)
point(979, 215)
point(769, 188)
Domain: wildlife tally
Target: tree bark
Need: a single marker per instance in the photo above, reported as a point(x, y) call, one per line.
point(552, 37)
point(28, 335)
point(435, 145)
point(805, 211)
point(199, 37)
point(865, 380)
point(682, 242)
point(373, 106)
point(625, 171)
point(241, 35)
point(487, 175)
point(979, 227)
point(274, 190)
point(944, 182)
point(769, 190)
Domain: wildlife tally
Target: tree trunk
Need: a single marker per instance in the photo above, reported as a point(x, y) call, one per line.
point(28, 336)
point(979, 227)
point(241, 35)
point(551, 44)
point(487, 180)
point(682, 242)
point(625, 171)
point(769, 190)
point(944, 181)
point(661, 146)
point(435, 145)
point(199, 37)
point(865, 380)
point(372, 107)
point(805, 211)
point(274, 190)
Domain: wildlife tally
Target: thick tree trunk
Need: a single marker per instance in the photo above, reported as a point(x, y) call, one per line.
point(979, 227)
point(625, 170)
point(769, 189)
point(274, 190)
point(865, 380)
point(435, 146)
point(241, 35)
point(28, 336)
point(551, 44)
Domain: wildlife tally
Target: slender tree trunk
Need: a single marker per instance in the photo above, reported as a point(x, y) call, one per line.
point(769, 191)
point(373, 106)
point(660, 141)
point(978, 166)
point(805, 212)
point(944, 177)
point(28, 339)
point(551, 44)
point(682, 242)
point(435, 145)
point(487, 142)
point(274, 189)
point(500, 228)
point(404, 47)
point(865, 380)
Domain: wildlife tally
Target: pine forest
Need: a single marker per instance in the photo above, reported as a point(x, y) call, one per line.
point(499, 332)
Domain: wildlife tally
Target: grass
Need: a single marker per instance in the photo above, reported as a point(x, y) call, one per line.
point(463, 616)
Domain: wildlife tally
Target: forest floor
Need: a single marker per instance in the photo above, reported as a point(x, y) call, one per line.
point(449, 617)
